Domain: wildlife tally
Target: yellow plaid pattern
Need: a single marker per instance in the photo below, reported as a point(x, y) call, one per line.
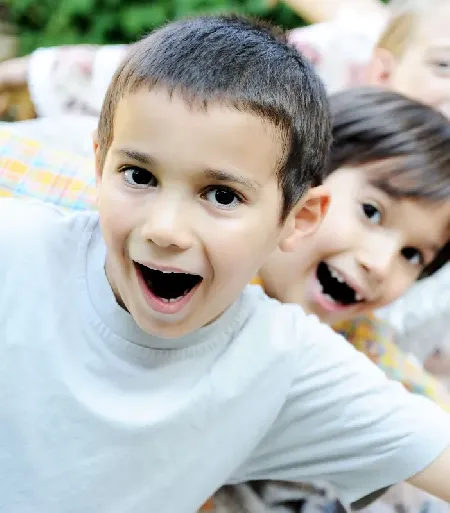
point(29, 169)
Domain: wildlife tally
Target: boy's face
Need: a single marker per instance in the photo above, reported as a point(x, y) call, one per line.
point(369, 249)
point(189, 207)
point(423, 71)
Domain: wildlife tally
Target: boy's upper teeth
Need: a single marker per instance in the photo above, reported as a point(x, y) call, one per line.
point(358, 297)
point(164, 271)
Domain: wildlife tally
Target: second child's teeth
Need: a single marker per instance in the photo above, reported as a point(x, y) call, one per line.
point(337, 275)
point(358, 297)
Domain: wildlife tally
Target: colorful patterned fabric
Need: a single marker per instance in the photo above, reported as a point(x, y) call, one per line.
point(374, 338)
point(29, 169)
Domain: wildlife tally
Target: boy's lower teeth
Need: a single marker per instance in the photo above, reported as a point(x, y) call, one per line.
point(172, 299)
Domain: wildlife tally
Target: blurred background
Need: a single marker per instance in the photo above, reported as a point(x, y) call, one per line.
point(26, 25)
point(29, 24)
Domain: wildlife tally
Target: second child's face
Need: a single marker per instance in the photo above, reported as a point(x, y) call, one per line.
point(369, 249)
point(189, 207)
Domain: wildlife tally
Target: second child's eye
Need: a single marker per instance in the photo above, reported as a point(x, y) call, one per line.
point(413, 256)
point(372, 212)
point(139, 178)
point(222, 197)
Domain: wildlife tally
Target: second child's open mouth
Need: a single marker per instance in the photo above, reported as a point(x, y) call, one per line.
point(335, 287)
point(168, 286)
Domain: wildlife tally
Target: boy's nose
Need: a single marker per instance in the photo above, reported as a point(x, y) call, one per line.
point(168, 226)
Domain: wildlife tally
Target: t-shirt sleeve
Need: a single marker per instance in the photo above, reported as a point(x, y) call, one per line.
point(29, 230)
point(346, 424)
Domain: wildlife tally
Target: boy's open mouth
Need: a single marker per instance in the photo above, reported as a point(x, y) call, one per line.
point(335, 287)
point(168, 286)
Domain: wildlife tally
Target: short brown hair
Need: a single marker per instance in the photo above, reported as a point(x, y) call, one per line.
point(241, 63)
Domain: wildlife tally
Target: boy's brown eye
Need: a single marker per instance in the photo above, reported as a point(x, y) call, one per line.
point(223, 197)
point(138, 177)
point(372, 212)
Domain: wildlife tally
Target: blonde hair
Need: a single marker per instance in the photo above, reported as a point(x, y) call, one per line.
point(405, 18)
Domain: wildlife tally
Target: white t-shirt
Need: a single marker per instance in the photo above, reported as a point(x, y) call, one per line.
point(98, 416)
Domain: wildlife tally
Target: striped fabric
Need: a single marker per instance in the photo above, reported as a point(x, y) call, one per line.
point(29, 169)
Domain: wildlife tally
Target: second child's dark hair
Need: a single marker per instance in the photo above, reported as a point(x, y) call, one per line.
point(403, 143)
point(241, 63)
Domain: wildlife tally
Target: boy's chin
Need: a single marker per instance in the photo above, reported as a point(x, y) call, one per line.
point(162, 329)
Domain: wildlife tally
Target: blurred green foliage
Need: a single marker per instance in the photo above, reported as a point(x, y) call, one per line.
point(57, 22)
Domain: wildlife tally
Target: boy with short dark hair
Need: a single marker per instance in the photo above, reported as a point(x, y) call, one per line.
point(132, 350)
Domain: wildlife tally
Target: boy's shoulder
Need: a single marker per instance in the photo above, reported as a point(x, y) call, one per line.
point(287, 325)
point(31, 227)
point(312, 346)
point(26, 215)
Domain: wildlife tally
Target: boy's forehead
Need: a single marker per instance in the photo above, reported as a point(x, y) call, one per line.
point(157, 123)
point(160, 102)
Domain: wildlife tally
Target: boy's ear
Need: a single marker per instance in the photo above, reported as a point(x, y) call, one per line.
point(305, 218)
point(381, 67)
point(98, 168)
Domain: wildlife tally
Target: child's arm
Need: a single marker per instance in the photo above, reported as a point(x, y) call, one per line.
point(72, 79)
point(435, 479)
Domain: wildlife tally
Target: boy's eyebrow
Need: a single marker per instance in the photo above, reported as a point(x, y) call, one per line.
point(138, 156)
point(215, 174)
point(225, 176)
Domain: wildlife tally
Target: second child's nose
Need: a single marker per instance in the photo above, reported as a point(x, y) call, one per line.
point(378, 258)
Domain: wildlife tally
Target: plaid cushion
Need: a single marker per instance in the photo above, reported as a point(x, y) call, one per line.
point(29, 169)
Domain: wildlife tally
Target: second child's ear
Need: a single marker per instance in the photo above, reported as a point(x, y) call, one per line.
point(305, 218)
point(381, 68)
